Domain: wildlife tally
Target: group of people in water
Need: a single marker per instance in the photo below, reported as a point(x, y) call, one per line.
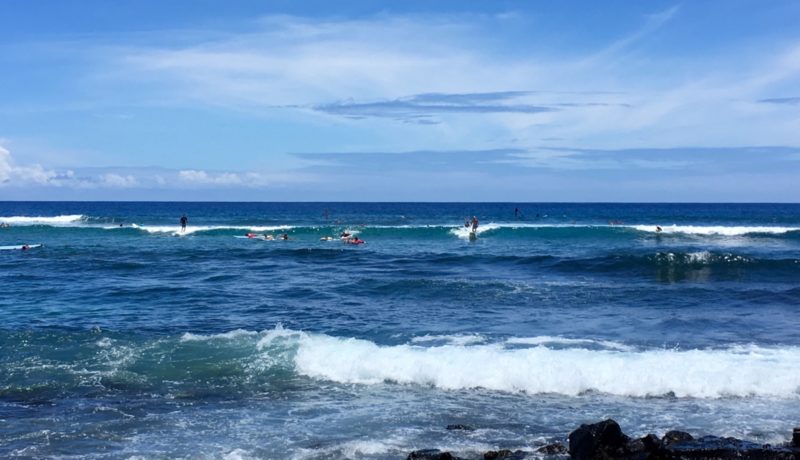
point(267, 236)
point(345, 237)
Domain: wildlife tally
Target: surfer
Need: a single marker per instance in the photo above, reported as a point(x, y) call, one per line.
point(25, 247)
point(466, 222)
point(285, 236)
point(474, 224)
point(184, 221)
point(658, 229)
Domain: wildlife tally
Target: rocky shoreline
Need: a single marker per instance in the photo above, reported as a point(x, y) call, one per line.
point(606, 441)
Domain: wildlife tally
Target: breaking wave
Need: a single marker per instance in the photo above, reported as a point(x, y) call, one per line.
point(41, 220)
point(240, 359)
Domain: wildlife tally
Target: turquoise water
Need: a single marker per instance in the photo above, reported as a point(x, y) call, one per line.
point(141, 340)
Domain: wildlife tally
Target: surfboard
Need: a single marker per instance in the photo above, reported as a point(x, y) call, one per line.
point(19, 247)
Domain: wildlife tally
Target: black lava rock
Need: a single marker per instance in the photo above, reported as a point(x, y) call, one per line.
point(713, 447)
point(651, 442)
point(675, 437)
point(552, 449)
point(458, 426)
point(431, 454)
point(504, 454)
point(597, 441)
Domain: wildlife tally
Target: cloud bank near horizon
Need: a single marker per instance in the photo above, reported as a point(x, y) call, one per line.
point(511, 174)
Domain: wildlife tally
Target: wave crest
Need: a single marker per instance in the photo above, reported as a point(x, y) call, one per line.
point(42, 220)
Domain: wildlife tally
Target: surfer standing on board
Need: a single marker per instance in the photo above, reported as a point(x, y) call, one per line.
point(184, 221)
point(474, 224)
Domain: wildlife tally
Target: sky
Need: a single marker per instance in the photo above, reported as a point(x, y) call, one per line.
point(513, 101)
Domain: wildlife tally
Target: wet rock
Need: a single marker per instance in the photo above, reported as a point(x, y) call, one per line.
point(713, 447)
point(597, 441)
point(651, 442)
point(431, 454)
point(606, 441)
point(504, 454)
point(581, 444)
point(675, 437)
point(458, 426)
point(635, 446)
point(496, 454)
point(552, 449)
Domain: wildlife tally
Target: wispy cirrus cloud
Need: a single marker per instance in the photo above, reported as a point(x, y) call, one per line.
point(408, 73)
point(513, 160)
point(781, 100)
point(423, 108)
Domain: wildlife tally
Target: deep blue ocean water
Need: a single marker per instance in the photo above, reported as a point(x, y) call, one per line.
point(139, 341)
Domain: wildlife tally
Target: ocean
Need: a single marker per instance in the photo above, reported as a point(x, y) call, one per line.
point(122, 337)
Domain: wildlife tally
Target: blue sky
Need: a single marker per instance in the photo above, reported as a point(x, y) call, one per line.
point(401, 101)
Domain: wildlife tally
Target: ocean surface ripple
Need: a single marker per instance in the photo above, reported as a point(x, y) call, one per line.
point(123, 336)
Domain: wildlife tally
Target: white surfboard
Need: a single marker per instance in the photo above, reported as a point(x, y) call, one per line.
point(19, 247)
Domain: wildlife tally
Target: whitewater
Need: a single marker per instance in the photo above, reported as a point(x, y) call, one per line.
point(160, 343)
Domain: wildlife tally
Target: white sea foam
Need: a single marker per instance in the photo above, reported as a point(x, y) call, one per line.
point(394, 443)
point(700, 373)
point(189, 337)
point(463, 232)
point(566, 342)
point(450, 339)
point(54, 220)
point(714, 229)
point(238, 454)
point(176, 229)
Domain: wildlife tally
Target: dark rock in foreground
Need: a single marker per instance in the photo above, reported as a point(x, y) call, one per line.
point(458, 426)
point(606, 441)
point(431, 454)
point(504, 454)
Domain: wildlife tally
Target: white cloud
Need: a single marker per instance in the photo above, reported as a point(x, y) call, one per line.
point(199, 177)
point(118, 181)
point(5, 165)
point(10, 173)
point(26, 176)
